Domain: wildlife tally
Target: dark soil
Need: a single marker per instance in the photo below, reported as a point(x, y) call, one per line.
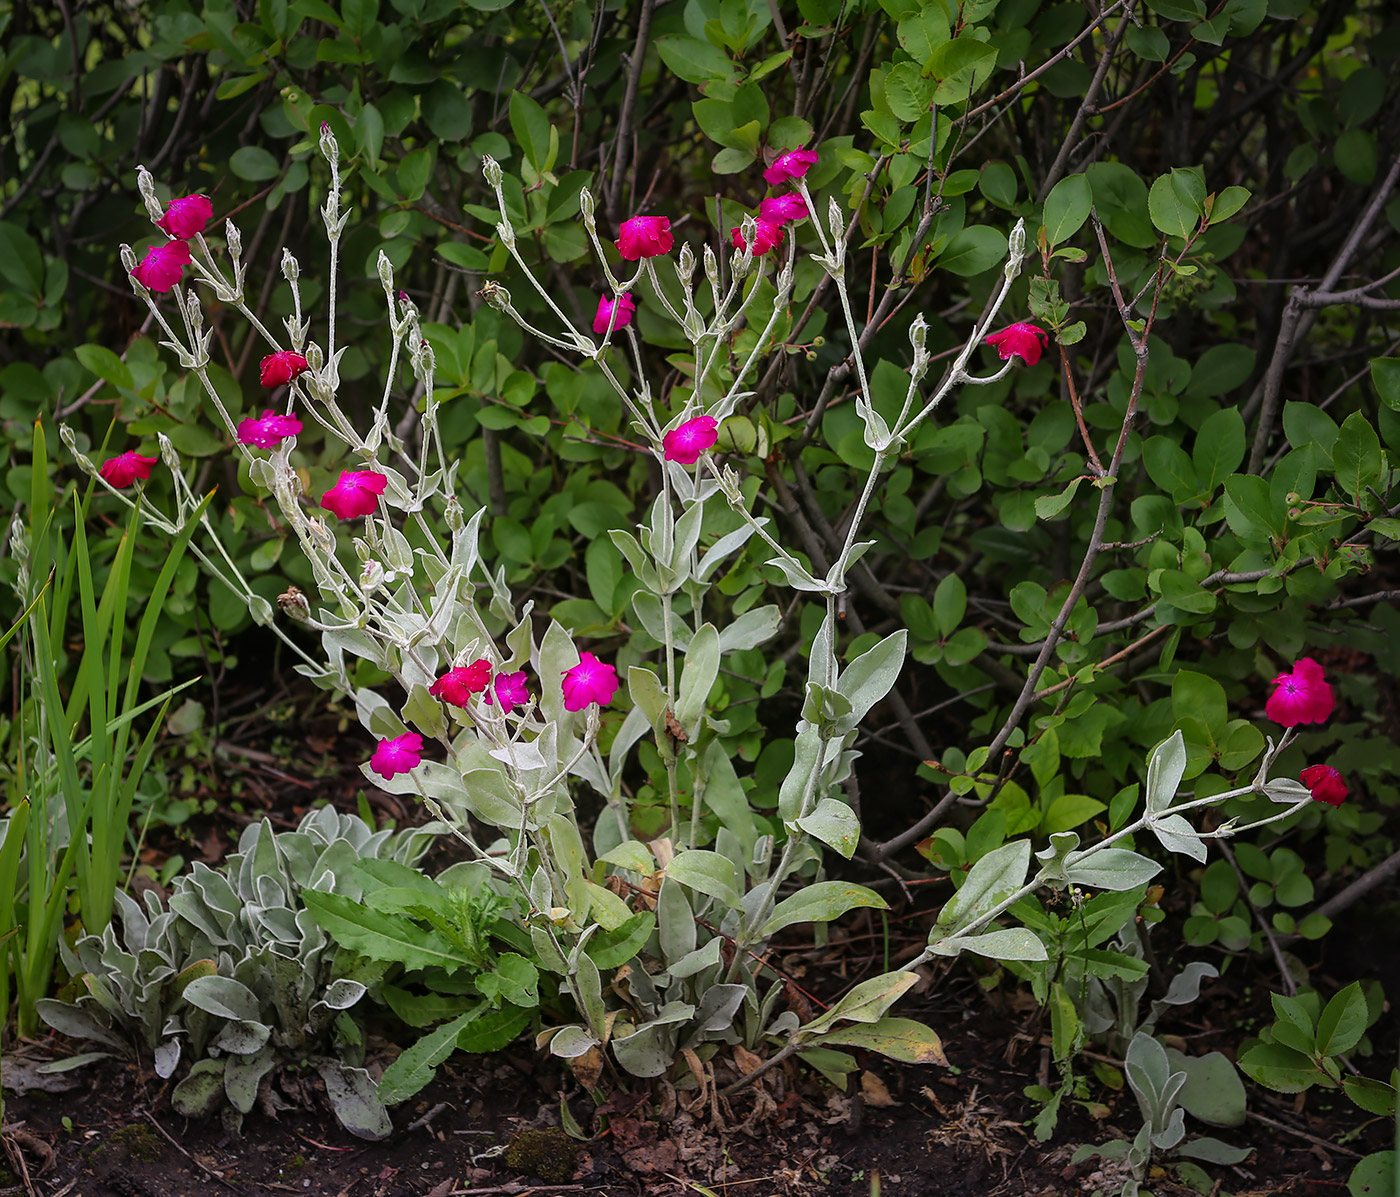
point(920, 1132)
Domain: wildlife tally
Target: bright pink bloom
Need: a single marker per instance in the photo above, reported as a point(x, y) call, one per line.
point(645, 237)
point(626, 309)
point(588, 682)
point(187, 216)
point(400, 755)
point(269, 430)
point(766, 235)
point(779, 209)
point(456, 686)
point(1019, 340)
point(1325, 783)
point(684, 445)
point(279, 368)
point(1301, 696)
point(510, 691)
point(355, 493)
point(121, 471)
point(162, 266)
point(792, 165)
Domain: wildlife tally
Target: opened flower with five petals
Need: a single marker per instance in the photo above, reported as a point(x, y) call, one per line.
point(1325, 784)
point(590, 681)
point(792, 165)
point(279, 368)
point(645, 237)
point(1019, 340)
point(162, 266)
point(456, 686)
point(126, 468)
point(355, 493)
point(269, 429)
point(624, 307)
point(402, 754)
point(684, 445)
point(1302, 696)
point(187, 216)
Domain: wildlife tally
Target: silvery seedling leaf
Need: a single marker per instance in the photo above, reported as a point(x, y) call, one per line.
point(167, 1056)
point(354, 1098)
point(835, 824)
point(1286, 790)
point(820, 903)
point(1013, 943)
point(867, 679)
point(223, 996)
point(1112, 868)
point(1165, 770)
point(1175, 834)
point(201, 1092)
point(991, 880)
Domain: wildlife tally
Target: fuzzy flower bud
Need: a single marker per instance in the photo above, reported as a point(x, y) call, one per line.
point(386, 272)
point(147, 187)
point(495, 295)
point(330, 148)
point(315, 357)
point(492, 170)
point(452, 514)
point(1016, 250)
point(685, 265)
point(372, 576)
point(291, 268)
point(711, 266)
point(293, 604)
point(587, 206)
point(168, 454)
point(918, 333)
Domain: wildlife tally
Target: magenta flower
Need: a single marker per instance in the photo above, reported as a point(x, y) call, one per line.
point(402, 754)
point(126, 468)
point(1325, 783)
point(684, 445)
point(1301, 696)
point(269, 430)
point(279, 368)
point(766, 235)
point(779, 209)
point(187, 216)
point(625, 308)
point(456, 686)
point(1019, 340)
point(645, 237)
point(792, 165)
point(355, 493)
point(588, 682)
point(510, 691)
point(162, 266)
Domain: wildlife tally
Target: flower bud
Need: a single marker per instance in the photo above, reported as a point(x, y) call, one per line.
point(68, 437)
point(386, 271)
point(372, 576)
point(452, 513)
point(506, 232)
point(233, 239)
point(129, 261)
point(291, 268)
point(586, 206)
point(147, 187)
point(330, 149)
point(315, 357)
point(293, 604)
point(496, 296)
point(834, 219)
point(685, 264)
point(1017, 241)
point(492, 170)
point(918, 333)
point(168, 454)
point(711, 266)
